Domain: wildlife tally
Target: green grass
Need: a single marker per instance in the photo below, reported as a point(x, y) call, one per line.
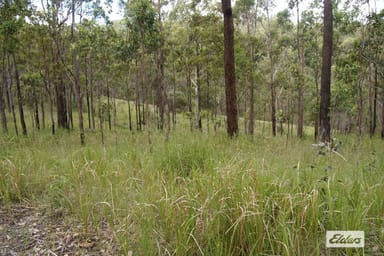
point(203, 194)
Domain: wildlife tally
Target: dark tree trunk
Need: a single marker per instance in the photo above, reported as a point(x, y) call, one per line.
point(19, 98)
point(36, 106)
point(4, 126)
point(9, 86)
point(229, 70)
point(87, 96)
point(76, 79)
point(251, 121)
point(47, 84)
point(61, 105)
point(79, 100)
point(198, 95)
point(42, 110)
point(189, 89)
point(317, 118)
point(109, 105)
point(272, 75)
point(70, 106)
point(373, 107)
point(129, 107)
point(300, 91)
point(325, 91)
point(91, 95)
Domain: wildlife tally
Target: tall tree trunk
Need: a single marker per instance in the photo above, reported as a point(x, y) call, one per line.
point(61, 104)
point(251, 121)
point(91, 95)
point(47, 84)
point(300, 57)
point(146, 89)
point(375, 89)
point(42, 106)
point(163, 85)
point(79, 99)
point(137, 104)
point(272, 75)
point(174, 98)
point(129, 106)
point(229, 70)
point(4, 126)
point(9, 85)
point(76, 79)
point(87, 92)
point(373, 99)
point(317, 118)
point(325, 91)
point(189, 89)
point(36, 110)
point(109, 104)
point(19, 97)
point(198, 96)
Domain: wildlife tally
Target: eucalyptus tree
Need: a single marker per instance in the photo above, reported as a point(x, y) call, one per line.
point(374, 54)
point(300, 73)
point(268, 5)
point(12, 17)
point(247, 12)
point(312, 39)
point(142, 23)
point(325, 91)
point(229, 70)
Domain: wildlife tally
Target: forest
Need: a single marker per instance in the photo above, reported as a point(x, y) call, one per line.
point(191, 127)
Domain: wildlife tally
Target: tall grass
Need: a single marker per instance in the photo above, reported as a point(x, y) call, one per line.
point(203, 194)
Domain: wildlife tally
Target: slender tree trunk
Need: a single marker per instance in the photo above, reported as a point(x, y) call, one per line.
point(129, 107)
point(87, 91)
point(91, 95)
point(198, 96)
point(42, 110)
point(36, 108)
point(101, 116)
point(76, 80)
point(137, 102)
point(300, 56)
point(325, 91)
point(251, 122)
point(317, 117)
point(47, 84)
point(174, 98)
point(375, 89)
point(109, 104)
point(229, 70)
point(189, 88)
point(9, 85)
point(373, 103)
point(79, 100)
point(4, 126)
point(146, 95)
point(19, 98)
point(272, 75)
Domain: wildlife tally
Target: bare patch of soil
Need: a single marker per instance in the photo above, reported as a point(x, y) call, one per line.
point(26, 230)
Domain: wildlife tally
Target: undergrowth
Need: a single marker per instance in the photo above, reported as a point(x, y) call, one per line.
point(203, 194)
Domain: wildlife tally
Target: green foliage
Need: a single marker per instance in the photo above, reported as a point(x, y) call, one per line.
point(203, 194)
point(142, 23)
point(186, 158)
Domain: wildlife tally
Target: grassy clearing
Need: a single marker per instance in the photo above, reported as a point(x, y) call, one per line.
point(204, 194)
